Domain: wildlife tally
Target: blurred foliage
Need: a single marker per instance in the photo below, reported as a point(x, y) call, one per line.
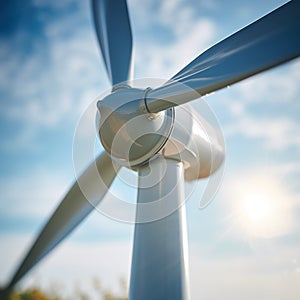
point(104, 294)
point(31, 294)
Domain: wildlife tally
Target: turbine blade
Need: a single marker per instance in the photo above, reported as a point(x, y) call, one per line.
point(71, 212)
point(113, 30)
point(264, 44)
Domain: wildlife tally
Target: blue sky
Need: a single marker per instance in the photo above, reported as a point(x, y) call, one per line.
point(51, 70)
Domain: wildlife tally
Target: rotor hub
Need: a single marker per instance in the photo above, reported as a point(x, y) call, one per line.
point(130, 134)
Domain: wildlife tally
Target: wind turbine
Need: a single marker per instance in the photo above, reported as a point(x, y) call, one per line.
point(147, 131)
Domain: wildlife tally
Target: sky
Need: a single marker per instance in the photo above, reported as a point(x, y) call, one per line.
point(245, 244)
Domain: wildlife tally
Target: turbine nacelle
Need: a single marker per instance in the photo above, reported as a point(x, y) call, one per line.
point(132, 136)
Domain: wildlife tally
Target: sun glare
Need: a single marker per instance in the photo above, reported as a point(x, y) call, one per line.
point(262, 208)
point(257, 207)
point(258, 213)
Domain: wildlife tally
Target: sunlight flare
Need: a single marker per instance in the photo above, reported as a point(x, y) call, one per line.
point(262, 207)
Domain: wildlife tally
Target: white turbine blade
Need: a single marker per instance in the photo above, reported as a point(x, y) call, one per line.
point(115, 38)
point(70, 213)
point(264, 44)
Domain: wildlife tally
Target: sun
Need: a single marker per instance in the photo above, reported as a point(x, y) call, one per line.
point(258, 213)
point(257, 208)
point(262, 208)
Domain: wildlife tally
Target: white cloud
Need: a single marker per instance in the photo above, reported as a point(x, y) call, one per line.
point(270, 275)
point(264, 108)
point(165, 60)
point(47, 92)
point(107, 261)
point(34, 195)
point(283, 169)
point(275, 133)
point(176, 15)
point(71, 263)
point(187, 36)
point(12, 250)
point(278, 86)
point(48, 87)
point(273, 273)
